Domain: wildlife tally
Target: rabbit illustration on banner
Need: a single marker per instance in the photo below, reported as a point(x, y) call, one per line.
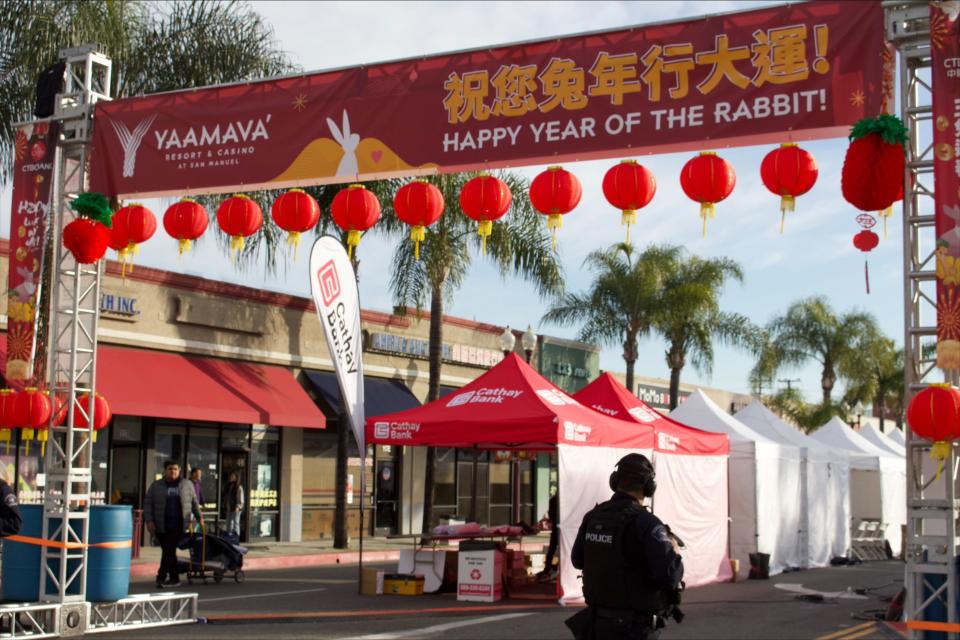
point(349, 142)
point(26, 289)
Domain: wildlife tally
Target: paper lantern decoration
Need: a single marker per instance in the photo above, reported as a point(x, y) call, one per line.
point(86, 239)
point(418, 204)
point(485, 199)
point(555, 193)
point(185, 221)
point(239, 217)
point(102, 414)
point(355, 209)
point(31, 412)
point(7, 424)
point(629, 186)
point(866, 241)
point(133, 225)
point(934, 414)
point(872, 177)
point(295, 212)
point(788, 172)
point(707, 179)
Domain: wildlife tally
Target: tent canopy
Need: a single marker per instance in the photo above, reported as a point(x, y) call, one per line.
point(863, 453)
point(703, 412)
point(897, 436)
point(608, 396)
point(876, 437)
point(511, 406)
point(759, 418)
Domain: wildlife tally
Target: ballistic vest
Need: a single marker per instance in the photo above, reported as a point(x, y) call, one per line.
point(609, 580)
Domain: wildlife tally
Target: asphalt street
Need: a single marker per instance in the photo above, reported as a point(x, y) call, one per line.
point(324, 603)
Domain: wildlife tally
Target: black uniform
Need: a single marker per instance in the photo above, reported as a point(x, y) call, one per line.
point(10, 521)
point(630, 569)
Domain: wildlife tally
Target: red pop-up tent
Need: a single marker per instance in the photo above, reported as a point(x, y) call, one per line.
point(511, 406)
point(691, 478)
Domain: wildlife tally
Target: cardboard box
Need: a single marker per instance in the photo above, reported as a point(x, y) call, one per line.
point(735, 568)
point(371, 582)
point(402, 584)
point(480, 575)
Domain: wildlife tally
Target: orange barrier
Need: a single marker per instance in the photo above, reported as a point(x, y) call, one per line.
point(924, 625)
point(56, 544)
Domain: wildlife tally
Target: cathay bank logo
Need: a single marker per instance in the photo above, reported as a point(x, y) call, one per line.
point(130, 142)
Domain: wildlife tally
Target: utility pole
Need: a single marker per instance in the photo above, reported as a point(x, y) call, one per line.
point(789, 382)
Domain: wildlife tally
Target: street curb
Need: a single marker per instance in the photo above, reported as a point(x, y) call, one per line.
point(147, 569)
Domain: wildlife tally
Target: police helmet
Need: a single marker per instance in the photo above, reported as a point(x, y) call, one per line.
point(635, 470)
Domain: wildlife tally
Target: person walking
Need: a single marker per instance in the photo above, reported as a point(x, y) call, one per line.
point(233, 502)
point(632, 573)
point(196, 473)
point(167, 508)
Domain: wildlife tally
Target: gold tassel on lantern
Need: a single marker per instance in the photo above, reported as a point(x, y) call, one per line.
point(886, 214)
point(707, 210)
point(628, 217)
point(5, 437)
point(26, 434)
point(293, 241)
point(940, 451)
point(554, 222)
point(353, 239)
point(42, 439)
point(787, 204)
point(418, 234)
point(484, 229)
point(183, 246)
point(236, 244)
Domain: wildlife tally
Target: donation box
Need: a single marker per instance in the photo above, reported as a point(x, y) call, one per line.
point(480, 572)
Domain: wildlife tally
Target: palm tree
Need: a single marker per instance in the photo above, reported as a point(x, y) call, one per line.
point(519, 244)
point(154, 47)
point(621, 304)
point(810, 330)
point(878, 378)
point(689, 318)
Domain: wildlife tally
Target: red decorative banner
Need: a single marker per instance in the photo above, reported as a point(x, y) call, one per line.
point(945, 49)
point(32, 176)
point(794, 72)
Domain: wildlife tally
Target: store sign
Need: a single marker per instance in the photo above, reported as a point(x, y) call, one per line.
point(658, 397)
point(810, 68)
point(567, 369)
point(263, 499)
point(113, 304)
point(456, 353)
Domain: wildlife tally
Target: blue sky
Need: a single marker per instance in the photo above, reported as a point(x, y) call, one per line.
point(814, 256)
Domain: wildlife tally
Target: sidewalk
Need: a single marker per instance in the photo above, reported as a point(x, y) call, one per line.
point(317, 553)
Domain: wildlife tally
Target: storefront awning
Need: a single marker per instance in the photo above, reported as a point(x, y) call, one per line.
point(380, 396)
point(155, 384)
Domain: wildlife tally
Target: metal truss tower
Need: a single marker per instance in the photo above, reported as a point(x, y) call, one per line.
point(932, 542)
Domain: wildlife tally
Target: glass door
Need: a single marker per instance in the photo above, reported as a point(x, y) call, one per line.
point(235, 462)
point(387, 474)
point(126, 471)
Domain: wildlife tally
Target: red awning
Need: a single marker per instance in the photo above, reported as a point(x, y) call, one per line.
point(156, 384)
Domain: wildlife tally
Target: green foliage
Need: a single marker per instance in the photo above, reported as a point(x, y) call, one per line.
point(888, 127)
point(95, 206)
point(791, 406)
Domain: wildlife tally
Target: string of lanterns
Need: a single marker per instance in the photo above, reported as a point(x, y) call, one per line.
point(30, 411)
point(871, 181)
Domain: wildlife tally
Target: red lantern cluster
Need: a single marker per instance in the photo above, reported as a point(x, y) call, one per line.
point(86, 239)
point(629, 186)
point(788, 172)
point(31, 412)
point(295, 212)
point(707, 179)
point(133, 225)
point(239, 217)
point(185, 221)
point(355, 209)
point(418, 204)
point(555, 193)
point(485, 199)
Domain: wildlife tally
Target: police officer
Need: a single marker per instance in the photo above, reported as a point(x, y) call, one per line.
point(631, 570)
point(10, 521)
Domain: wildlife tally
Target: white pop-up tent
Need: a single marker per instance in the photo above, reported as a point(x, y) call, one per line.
point(874, 435)
point(825, 487)
point(877, 479)
point(765, 497)
point(897, 436)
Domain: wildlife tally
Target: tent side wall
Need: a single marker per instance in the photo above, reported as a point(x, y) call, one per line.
point(583, 483)
point(742, 490)
point(692, 499)
point(779, 499)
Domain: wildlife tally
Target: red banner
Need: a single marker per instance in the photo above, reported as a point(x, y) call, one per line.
point(945, 55)
point(32, 177)
point(792, 72)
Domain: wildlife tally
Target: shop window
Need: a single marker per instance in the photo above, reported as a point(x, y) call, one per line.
point(8, 460)
point(98, 467)
point(264, 482)
point(203, 454)
point(235, 437)
point(171, 444)
point(30, 477)
point(127, 429)
point(465, 488)
point(501, 495)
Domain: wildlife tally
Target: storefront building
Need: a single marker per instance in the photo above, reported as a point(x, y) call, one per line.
point(230, 379)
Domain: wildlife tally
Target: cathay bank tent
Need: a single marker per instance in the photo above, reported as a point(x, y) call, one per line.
point(876, 437)
point(511, 406)
point(691, 478)
point(877, 479)
point(765, 497)
point(825, 487)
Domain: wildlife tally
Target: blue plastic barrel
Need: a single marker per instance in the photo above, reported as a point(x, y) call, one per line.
point(21, 562)
point(108, 569)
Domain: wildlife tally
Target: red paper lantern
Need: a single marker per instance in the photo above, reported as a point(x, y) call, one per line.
point(7, 397)
point(185, 221)
point(788, 172)
point(872, 177)
point(295, 212)
point(31, 412)
point(239, 217)
point(866, 240)
point(707, 179)
point(132, 225)
point(629, 186)
point(86, 239)
point(418, 204)
point(355, 210)
point(485, 199)
point(934, 414)
point(102, 413)
point(555, 193)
